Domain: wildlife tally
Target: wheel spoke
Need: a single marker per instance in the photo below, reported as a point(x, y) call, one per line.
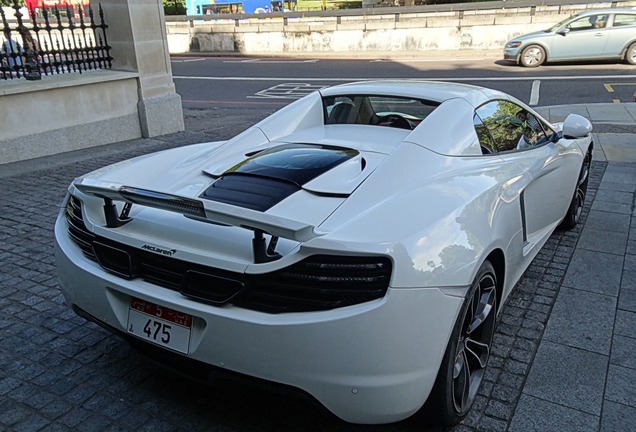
point(480, 351)
point(485, 309)
point(580, 200)
point(585, 170)
point(533, 56)
point(461, 382)
point(581, 193)
point(459, 364)
point(487, 299)
point(584, 175)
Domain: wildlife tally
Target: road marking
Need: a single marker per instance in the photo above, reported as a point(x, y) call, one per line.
point(241, 61)
point(610, 88)
point(190, 60)
point(429, 60)
point(287, 91)
point(261, 61)
point(350, 79)
point(217, 102)
point(534, 93)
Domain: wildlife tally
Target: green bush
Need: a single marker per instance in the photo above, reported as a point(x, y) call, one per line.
point(10, 3)
point(174, 7)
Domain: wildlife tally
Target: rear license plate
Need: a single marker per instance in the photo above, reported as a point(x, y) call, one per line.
point(160, 325)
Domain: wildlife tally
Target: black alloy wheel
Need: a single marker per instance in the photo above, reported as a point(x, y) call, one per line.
point(573, 215)
point(467, 354)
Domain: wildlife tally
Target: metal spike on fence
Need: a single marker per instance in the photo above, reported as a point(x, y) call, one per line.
point(104, 26)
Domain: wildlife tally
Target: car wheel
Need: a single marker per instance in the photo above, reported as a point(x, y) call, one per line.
point(532, 56)
point(467, 353)
point(573, 215)
point(630, 55)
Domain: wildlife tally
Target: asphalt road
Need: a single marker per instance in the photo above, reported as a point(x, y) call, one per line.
point(262, 85)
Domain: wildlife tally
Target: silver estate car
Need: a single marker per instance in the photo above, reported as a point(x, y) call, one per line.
point(589, 35)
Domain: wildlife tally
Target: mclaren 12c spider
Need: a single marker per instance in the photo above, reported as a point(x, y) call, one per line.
point(355, 245)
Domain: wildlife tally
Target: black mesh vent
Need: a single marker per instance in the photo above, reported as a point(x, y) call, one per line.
point(253, 192)
point(320, 282)
point(76, 228)
point(268, 177)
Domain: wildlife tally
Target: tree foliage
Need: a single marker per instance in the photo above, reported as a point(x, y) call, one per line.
point(174, 7)
point(10, 2)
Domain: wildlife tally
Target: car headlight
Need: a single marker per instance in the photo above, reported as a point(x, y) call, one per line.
point(513, 44)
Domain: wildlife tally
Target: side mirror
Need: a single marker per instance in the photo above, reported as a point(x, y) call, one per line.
point(564, 31)
point(576, 126)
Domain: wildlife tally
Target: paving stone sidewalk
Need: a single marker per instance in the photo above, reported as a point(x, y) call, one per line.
point(583, 377)
point(563, 357)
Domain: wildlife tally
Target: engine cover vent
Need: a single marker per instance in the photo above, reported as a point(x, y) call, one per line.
point(268, 177)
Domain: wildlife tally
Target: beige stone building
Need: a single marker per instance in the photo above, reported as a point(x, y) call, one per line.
point(65, 112)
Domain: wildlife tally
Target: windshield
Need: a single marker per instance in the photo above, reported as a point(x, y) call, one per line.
point(560, 24)
point(379, 110)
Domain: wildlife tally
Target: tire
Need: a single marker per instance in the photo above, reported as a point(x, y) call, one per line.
point(630, 54)
point(467, 353)
point(575, 209)
point(532, 56)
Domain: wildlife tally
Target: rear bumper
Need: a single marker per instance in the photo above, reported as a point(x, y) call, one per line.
point(369, 363)
point(194, 369)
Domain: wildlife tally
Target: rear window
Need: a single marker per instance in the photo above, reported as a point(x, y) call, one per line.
point(377, 110)
point(621, 20)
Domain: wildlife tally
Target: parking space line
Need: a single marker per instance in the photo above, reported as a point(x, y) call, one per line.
point(534, 93)
point(610, 88)
point(288, 91)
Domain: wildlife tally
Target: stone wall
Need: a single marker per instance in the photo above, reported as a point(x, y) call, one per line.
point(72, 111)
point(392, 32)
point(69, 112)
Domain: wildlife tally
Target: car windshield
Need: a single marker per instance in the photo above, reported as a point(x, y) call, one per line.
point(380, 110)
point(560, 24)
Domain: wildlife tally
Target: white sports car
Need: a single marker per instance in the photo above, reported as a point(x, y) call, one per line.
point(356, 245)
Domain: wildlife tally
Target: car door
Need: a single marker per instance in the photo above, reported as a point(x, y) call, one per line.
point(585, 37)
point(620, 33)
point(549, 166)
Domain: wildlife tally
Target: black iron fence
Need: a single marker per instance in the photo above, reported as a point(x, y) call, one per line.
point(52, 41)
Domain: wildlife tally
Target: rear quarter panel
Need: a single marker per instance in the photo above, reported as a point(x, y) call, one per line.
point(439, 218)
point(618, 39)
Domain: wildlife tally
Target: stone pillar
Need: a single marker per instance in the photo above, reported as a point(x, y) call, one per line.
point(137, 35)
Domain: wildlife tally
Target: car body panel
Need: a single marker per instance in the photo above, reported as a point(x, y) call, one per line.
point(425, 201)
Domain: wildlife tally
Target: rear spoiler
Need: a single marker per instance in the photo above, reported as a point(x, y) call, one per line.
point(199, 208)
